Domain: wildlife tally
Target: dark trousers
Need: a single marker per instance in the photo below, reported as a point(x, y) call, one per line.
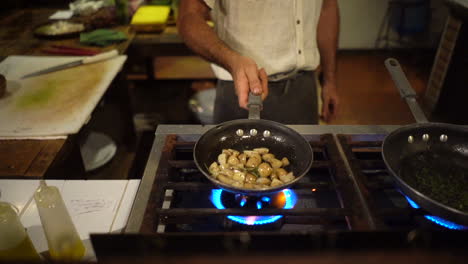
point(291, 101)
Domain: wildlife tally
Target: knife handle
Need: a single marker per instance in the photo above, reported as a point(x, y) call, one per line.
point(100, 57)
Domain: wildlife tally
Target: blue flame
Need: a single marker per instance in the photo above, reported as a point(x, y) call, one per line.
point(291, 200)
point(259, 205)
point(243, 202)
point(438, 220)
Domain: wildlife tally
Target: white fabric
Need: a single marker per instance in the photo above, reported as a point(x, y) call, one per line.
point(268, 32)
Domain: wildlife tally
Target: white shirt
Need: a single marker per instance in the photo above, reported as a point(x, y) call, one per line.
point(280, 35)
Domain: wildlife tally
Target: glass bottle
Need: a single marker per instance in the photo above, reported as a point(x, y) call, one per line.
point(15, 243)
point(122, 11)
point(63, 239)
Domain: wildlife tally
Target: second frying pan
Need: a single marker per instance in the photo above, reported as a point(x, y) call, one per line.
point(419, 150)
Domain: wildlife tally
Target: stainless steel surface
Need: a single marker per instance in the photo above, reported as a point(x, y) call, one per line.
point(253, 132)
point(141, 200)
point(425, 137)
point(193, 132)
point(86, 60)
point(255, 106)
point(254, 112)
point(406, 92)
point(53, 69)
point(399, 78)
point(352, 177)
point(443, 138)
point(416, 110)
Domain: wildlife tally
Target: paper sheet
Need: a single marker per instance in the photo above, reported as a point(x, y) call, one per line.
point(95, 206)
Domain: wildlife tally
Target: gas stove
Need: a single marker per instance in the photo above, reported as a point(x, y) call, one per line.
point(347, 188)
point(347, 198)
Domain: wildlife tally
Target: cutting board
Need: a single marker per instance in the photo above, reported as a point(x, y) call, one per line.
point(53, 104)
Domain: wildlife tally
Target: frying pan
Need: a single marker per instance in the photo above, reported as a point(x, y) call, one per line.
point(247, 134)
point(447, 141)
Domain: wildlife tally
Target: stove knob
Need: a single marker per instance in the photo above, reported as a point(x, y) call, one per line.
point(240, 132)
point(410, 139)
point(266, 133)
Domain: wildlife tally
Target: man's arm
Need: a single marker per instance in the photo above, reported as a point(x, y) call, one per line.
point(327, 38)
point(202, 39)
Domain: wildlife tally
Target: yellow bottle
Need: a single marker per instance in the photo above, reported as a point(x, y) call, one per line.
point(62, 237)
point(15, 243)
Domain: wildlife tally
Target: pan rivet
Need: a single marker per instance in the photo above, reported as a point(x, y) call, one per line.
point(410, 139)
point(266, 133)
point(425, 137)
point(240, 132)
point(443, 138)
point(253, 132)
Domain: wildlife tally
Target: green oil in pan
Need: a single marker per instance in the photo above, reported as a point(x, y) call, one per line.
point(438, 177)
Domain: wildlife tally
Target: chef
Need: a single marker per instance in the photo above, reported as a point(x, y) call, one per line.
point(267, 47)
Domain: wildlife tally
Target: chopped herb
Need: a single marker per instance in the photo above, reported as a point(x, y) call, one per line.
point(438, 177)
point(253, 171)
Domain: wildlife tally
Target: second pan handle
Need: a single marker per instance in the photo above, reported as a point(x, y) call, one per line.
point(406, 91)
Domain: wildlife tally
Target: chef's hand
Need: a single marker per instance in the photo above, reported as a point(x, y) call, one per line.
point(330, 101)
point(248, 78)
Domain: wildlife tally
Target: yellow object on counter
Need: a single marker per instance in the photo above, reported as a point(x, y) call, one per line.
point(150, 18)
point(63, 239)
point(15, 244)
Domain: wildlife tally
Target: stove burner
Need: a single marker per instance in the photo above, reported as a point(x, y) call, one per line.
point(285, 199)
point(438, 220)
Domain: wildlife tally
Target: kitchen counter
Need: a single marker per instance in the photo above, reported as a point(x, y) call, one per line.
point(35, 158)
point(17, 38)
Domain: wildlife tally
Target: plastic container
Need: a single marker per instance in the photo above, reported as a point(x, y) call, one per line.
point(202, 105)
point(122, 9)
point(15, 243)
point(62, 237)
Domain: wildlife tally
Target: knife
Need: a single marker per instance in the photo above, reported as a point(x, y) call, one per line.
point(87, 60)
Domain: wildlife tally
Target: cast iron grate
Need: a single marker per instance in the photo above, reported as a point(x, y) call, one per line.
point(388, 207)
point(180, 198)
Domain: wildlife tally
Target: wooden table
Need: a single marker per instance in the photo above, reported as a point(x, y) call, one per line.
point(34, 158)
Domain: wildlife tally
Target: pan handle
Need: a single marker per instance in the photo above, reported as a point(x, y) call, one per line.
point(255, 105)
point(406, 91)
